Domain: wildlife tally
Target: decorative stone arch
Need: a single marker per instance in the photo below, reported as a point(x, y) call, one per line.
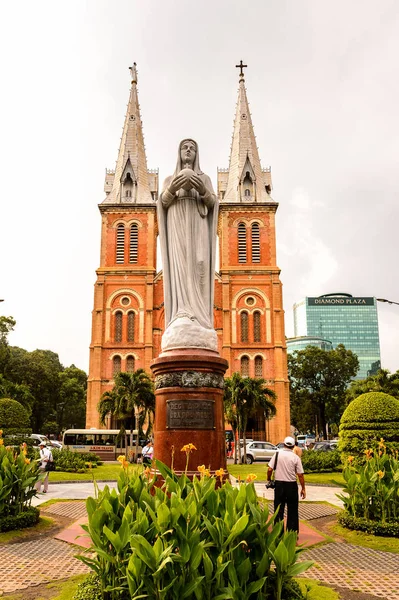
point(109, 311)
point(119, 222)
point(131, 222)
point(234, 311)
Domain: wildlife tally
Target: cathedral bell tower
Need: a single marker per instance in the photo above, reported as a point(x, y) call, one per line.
point(122, 321)
point(249, 291)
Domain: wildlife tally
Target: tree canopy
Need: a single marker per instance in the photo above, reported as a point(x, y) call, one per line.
point(382, 381)
point(318, 384)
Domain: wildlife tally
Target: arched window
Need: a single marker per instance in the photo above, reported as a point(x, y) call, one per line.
point(258, 366)
point(130, 326)
point(256, 326)
point(118, 326)
point(120, 243)
point(130, 364)
point(255, 234)
point(242, 243)
point(245, 366)
point(134, 243)
point(128, 193)
point(116, 365)
point(247, 192)
point(244, 326)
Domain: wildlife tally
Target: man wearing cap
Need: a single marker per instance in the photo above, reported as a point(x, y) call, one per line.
point(289, 466)
point(45, 457)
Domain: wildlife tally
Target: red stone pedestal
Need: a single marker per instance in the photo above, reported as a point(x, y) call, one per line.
point(189, 409)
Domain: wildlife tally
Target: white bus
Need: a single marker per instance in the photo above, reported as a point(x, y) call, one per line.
point(101, 442)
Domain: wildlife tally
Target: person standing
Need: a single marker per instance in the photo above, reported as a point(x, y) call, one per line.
point(289, 466)
point(297, 450)
point(148, 453)
point(45, 457)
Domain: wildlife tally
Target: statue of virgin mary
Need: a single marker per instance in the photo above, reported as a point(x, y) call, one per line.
point(187, 219)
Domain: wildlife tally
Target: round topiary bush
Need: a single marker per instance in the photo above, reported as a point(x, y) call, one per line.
point(14, 418)
point(366, 420)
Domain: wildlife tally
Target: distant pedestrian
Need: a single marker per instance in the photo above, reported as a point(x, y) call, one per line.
point(297, 450)
point(45, 457)
point(289, 466)
point(147, 453)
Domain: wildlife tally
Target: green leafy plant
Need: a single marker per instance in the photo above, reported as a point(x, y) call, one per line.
point(187, 539)
point(73, 462)
point(321, 462)
point(26, 518)
point(89, 589)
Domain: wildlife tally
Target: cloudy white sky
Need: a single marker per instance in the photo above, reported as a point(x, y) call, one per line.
point(323, 87)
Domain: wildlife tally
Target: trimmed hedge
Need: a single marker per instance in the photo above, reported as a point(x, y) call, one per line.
point(373, 527)
point(315, 461)
point(89, 589)
point(366, 420)
point(69, 462)
point(26, 518)
point(14, 418)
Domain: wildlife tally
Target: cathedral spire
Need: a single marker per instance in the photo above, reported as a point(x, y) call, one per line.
point(130, 183)
point(246, 181)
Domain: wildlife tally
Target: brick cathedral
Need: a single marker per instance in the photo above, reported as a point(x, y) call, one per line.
point(128, 313)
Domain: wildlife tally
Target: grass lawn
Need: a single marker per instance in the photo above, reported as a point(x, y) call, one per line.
point(107, 472)
point(12, 536)
point(58, 590)
point(359, 538)
point(260, 470)
point(314, 590)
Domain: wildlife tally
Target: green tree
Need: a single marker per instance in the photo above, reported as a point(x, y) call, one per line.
point(131, 392)
point(382, 381)
point(244, 397)
point(14, 418)
point(71, 404)
point(7, 324)
point(318, 384)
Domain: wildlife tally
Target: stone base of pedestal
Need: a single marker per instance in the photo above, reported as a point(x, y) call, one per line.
point(189, 409)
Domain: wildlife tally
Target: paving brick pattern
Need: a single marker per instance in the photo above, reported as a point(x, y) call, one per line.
point(356, 568)
point(32, 563)
point(72, 510)
point(307, 512)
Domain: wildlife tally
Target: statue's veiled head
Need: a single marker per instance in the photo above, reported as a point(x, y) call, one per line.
point(188, 156)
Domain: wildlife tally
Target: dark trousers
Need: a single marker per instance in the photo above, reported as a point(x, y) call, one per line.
point(286, 494)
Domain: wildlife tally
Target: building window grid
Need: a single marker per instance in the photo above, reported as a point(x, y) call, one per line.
point(242, 243)
point(244, 326)
point(245, 366)
point(134, 243)
point(258, 366)
point(120, 244)
point(130, 326)
point(116, 365)
point(255, 235)
point(130, 361)
point(118, 326)
point(257, 329)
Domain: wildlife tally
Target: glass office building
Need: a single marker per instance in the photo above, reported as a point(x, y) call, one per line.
point(343, 319)
point(300, 343)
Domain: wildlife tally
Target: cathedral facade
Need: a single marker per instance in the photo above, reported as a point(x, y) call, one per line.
point(128, 313)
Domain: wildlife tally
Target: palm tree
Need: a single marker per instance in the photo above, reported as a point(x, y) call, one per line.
point(132, 393)
point(243, 398)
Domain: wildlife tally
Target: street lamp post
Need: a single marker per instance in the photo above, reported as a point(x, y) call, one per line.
point(388, 301)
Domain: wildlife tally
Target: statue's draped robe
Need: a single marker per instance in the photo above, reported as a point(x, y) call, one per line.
point(187, 230)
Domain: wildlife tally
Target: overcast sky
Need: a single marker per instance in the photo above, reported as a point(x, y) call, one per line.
point(323, 87)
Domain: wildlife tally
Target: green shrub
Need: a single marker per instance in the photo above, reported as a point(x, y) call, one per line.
point(318, 462)
point(373, 527)
point(188, 539)
point(14, 418)
point(27, 518)
point(371, 490)
point(70, 462)
point(90, 457)
point(18, 476)
point(89, 589)
point(366, 420)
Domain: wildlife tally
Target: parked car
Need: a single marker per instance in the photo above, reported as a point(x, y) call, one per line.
point(257, 451)
point(38, 437)
point(305, 440)
point(325, 446)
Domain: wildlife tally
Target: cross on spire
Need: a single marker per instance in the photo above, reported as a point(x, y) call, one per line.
point(241, 66)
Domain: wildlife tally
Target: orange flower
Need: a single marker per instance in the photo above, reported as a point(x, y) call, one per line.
point(203, 471)
point(381, 443)
point(1, 442)
point(121, 458)
point(351, 459)
point(1, 432)
point(251, 477)
point(27, 461)
point(380, 474)
point(188, 448)
point(368, 453)
point(147, 472)
point(220, 473)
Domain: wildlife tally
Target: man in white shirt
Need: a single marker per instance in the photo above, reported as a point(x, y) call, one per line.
point(45, 457)
point(289, 466)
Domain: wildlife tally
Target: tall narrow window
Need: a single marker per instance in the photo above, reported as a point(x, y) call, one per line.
point(244, 326)
point(118, 326)
point(255, 234)
point(134, 243)
point(130, 364)
point(116, 365)
point(242, 243)
point(245, 366)
point(120, 243)
point(258, 366)
point(130, 326)
point(256, 326)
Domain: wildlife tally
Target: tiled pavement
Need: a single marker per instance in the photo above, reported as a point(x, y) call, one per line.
point(307, 512)
point(32, 563)
point(71, 510)
point(356, 568)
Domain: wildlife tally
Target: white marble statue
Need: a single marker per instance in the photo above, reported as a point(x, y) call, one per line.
point(187, 218)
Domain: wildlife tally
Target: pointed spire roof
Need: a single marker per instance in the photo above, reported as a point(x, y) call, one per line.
point(131, 154)
point(244, 155)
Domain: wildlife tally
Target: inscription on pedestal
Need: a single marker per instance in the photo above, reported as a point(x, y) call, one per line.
point(190, 414)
